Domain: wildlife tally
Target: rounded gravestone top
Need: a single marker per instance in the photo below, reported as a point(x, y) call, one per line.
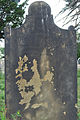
point(39, 8)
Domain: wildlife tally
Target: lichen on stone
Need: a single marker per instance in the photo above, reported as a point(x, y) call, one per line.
point(35, 81)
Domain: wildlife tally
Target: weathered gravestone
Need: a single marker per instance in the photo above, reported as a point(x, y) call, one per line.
point(41, 68)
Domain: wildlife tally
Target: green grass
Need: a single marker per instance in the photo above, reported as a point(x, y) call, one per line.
point(78, 84)
point(2, 95)
point(78, 92)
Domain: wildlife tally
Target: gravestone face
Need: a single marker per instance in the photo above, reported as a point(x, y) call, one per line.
point(41, 68)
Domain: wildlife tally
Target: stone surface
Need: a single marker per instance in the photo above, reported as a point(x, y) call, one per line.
point(41, 79)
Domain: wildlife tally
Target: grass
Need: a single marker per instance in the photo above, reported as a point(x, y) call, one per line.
point(2, 95)
point(78, 91)
point(78, 84)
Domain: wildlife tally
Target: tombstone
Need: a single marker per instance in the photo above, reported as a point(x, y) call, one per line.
point(41, 79)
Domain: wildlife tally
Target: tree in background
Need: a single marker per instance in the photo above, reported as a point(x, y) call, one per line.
point(1, 52)
point(11, 13)
point(78, 50)
point(73, 15)
point(16, 1)
point(73, 12)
